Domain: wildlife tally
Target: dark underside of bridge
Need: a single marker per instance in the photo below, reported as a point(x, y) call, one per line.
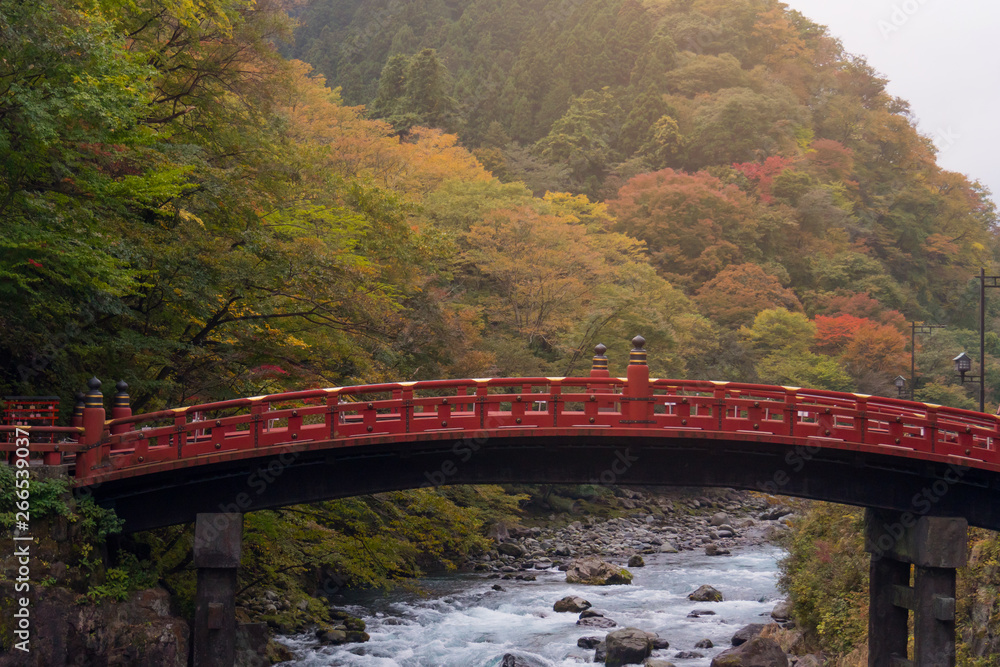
point(863, 479)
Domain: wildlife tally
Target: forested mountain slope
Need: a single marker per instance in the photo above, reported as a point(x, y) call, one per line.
point(761, 164)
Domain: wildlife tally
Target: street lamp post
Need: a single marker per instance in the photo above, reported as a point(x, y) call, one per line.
point(900, 383)
point(964, 359)
point(963, 364)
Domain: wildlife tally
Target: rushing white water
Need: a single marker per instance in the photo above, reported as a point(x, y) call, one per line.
point(463, 623)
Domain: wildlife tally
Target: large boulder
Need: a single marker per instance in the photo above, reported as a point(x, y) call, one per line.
point(705, 594)
point(758, 652)
point(782, 611)
point(596, 572)
point(629, 646)
point(571, 603)
point(719, 518)
point(511, 549)
point(746, 633)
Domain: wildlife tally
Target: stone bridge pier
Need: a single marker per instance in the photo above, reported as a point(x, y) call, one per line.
point(928, 549)
point(217, 542)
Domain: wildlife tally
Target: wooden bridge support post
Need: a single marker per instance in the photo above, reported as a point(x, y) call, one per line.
point(217, 543)
point(935, 547)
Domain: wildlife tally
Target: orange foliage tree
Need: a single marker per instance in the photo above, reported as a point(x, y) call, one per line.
point(693, 224)
point(738, 293)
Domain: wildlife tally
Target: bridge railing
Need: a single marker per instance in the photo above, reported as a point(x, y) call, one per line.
point(130, 444)
point(448, 407)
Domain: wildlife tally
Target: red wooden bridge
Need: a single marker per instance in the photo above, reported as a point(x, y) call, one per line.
point(163, 467)
point(922, 470)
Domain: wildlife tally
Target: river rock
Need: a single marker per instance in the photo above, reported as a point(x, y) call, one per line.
point(668, 548)
point(715, 550)
point(629, 646)
point(811, 660)
point(590, 613)
point(511, 660)
point(688, 655)
point(571, 603)
point(588, 642)
point(775, 513)
point(705, 593)
point(636, 561)
point(719, 519)
point(596, 622)
point(701, 612)
point(654, 662)
point(782, 611)
point(596, 572)
point(331, 636)
point(511, 549)
point(746, 633)
point(704, 643)
point(757, 652)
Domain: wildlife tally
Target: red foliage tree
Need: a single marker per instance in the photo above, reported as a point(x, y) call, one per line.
point(763, 173)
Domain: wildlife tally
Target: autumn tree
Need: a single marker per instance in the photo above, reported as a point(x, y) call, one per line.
point(693, 224)
point(735, 296)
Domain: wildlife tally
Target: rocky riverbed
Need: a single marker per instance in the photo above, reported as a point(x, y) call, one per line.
point(655, 524)
point(716, 535)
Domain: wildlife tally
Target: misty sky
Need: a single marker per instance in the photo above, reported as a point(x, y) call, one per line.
point(943, 56)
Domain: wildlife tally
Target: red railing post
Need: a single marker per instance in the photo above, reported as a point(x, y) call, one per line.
point(599, 369)
point(638, 392)
point(121, 407)
point(791, 408)
point(332, 415)
point(257, 424)
point(721, 409)
point(932, 427)
point(93, 430)
point(861, 418)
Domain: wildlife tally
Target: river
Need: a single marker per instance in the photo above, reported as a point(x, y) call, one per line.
point(462, 622)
